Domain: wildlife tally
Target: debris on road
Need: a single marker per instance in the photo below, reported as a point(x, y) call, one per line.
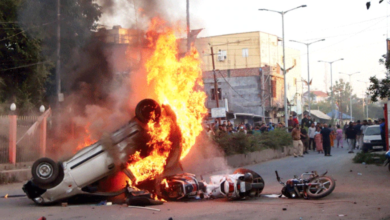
point(359, 174)
point(64, 204)
point(284, 209)
point(147, 208)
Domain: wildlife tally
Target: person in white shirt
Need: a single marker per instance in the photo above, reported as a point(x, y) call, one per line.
point(312, 131)
point(362, 129)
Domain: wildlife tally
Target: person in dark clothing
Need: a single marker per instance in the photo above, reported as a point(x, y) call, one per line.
point(358, 133)
point(290, 123)
point(305, 121)
point(382, 126)
point(350, 133)
point(325, 132)
point(304, 139)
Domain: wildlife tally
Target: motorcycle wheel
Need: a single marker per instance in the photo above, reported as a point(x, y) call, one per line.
point(256, 177)
point(325, 187)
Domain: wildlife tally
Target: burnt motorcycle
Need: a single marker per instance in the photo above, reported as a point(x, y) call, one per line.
point(309, 186)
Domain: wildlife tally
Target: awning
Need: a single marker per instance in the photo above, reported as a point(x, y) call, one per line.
point(319, 114)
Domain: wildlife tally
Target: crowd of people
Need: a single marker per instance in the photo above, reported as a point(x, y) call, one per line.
point(308, 135)
point(322, 137)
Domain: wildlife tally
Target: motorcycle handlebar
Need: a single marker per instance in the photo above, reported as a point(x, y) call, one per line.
point(277, 176)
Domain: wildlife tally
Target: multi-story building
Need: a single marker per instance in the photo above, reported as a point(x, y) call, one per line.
point(242, 61)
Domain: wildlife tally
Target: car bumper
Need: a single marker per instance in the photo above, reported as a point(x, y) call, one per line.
point(373, 146)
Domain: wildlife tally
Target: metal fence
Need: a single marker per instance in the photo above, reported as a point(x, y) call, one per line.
point(27, 147)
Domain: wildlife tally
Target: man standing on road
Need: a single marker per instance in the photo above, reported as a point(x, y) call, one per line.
point(297, 143)
point(383, 134)
point(326, 139)
point(358, 134)
point(312, 133)
point(362, 128)
point(350, 134)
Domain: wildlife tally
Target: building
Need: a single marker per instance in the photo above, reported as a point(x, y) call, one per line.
point(317, 96)
point(247, 64)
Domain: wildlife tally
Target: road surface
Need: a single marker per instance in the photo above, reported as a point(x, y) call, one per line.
point(362, 192)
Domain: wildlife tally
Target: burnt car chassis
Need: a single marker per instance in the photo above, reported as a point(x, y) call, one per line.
point(54, 182)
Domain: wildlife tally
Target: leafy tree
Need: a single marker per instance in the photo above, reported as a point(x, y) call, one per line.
point(380, 89)
point(22, 69)
point(28, 38)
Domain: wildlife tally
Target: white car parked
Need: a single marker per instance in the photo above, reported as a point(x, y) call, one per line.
point(372, 138)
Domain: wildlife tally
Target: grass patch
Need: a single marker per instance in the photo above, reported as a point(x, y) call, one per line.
point(369, 158)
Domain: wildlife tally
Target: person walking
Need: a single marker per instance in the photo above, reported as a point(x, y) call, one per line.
point(297, 143)
point(332, 136)
point(351, 137)
point(326, 140)
point(358, 134)
point(318, 140)
point(304, 139)
point(290, 124)
point(339, 136)
point(382, 126)
point(312, 133)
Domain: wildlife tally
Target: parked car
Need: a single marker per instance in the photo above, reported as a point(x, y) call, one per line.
point(55, 181)
point(372, 138)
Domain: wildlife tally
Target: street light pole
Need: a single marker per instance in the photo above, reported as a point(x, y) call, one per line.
point(331, 84)
point(366, 97)
point(350, 96)
point(284, 58)
point(308, 66)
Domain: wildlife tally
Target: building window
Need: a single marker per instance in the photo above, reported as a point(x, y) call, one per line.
point(219, 94)
point(222, 54)
point(245, 52)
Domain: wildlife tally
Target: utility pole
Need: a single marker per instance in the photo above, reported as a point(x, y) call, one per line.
point(308, 66)
point(282, 13)
point(188, 27)
point(58, 64)
point(350, 84)
point(331, 84)
point(215, 79)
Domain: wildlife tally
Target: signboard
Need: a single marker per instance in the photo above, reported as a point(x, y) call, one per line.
point(218, 112)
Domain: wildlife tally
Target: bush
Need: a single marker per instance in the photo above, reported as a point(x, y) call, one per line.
point(239, 143)
point(369, 158)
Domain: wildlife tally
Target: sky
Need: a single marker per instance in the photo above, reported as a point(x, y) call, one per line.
point(350, 31)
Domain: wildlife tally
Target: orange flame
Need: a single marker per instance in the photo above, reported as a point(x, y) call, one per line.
point(164, 181)
point(177, 83)
point(87, 140)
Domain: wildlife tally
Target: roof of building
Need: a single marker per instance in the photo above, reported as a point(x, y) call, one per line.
point(337, 113)
point(318, 93)
point(320, 114)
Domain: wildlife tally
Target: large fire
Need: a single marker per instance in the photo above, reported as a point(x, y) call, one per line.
point(178, 83)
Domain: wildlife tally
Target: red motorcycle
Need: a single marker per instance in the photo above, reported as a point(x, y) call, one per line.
point(309, 186)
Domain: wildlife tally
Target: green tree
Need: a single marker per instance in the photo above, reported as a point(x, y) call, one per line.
point(23, 71)
point(28, 38)
point(380, 89)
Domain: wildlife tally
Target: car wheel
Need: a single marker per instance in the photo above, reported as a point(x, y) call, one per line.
point(147, 109)
point(44, 171)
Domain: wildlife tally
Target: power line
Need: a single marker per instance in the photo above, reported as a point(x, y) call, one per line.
point(26, 30)
point(18, 67)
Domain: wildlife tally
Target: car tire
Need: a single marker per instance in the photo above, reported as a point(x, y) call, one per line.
point(44, 171)
point(256, 177)
point(146, 108)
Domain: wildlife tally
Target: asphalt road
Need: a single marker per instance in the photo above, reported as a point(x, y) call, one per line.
point(356, 196)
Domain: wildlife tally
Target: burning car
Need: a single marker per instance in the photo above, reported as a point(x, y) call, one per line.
point(52, 182)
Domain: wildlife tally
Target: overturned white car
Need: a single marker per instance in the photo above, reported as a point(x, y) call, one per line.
point(53, 182)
